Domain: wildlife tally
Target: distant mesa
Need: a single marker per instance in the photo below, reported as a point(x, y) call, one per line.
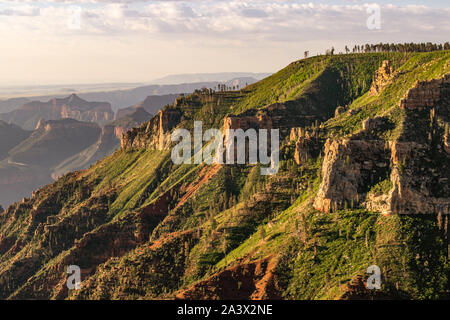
point(28, 115)
point(11, 104)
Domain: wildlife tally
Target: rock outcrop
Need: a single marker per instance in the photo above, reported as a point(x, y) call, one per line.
point(382, 78)
point(244, 122)
point(425, 94)
point(307, 145)
point(373, 123)
point(352, 167)
point(154, 133)
point(349, 168)
point(416, 188)
point(415, 164)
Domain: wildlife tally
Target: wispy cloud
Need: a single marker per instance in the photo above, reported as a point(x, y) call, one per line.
point(264, 19)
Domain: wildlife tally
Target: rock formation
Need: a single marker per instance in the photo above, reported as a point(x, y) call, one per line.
point(255, 280)
point(154, 133)
point(307, 145)
point(244, 122)
point(352, 166)
point(425, 94)
point(382, 77)
point(349, 167)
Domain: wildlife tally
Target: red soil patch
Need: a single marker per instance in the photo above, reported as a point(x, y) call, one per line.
point(255, 280)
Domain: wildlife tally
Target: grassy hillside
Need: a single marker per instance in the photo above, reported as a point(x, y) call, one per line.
point(141, 227)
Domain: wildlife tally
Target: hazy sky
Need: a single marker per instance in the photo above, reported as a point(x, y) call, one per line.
point(91, 41)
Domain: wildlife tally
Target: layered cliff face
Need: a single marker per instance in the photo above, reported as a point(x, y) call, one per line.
point(141, 227)
point(73, 107)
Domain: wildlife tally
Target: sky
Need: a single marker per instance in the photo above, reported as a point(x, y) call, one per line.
point(98, 41)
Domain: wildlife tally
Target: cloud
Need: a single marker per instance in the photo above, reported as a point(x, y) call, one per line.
point(263, 20)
